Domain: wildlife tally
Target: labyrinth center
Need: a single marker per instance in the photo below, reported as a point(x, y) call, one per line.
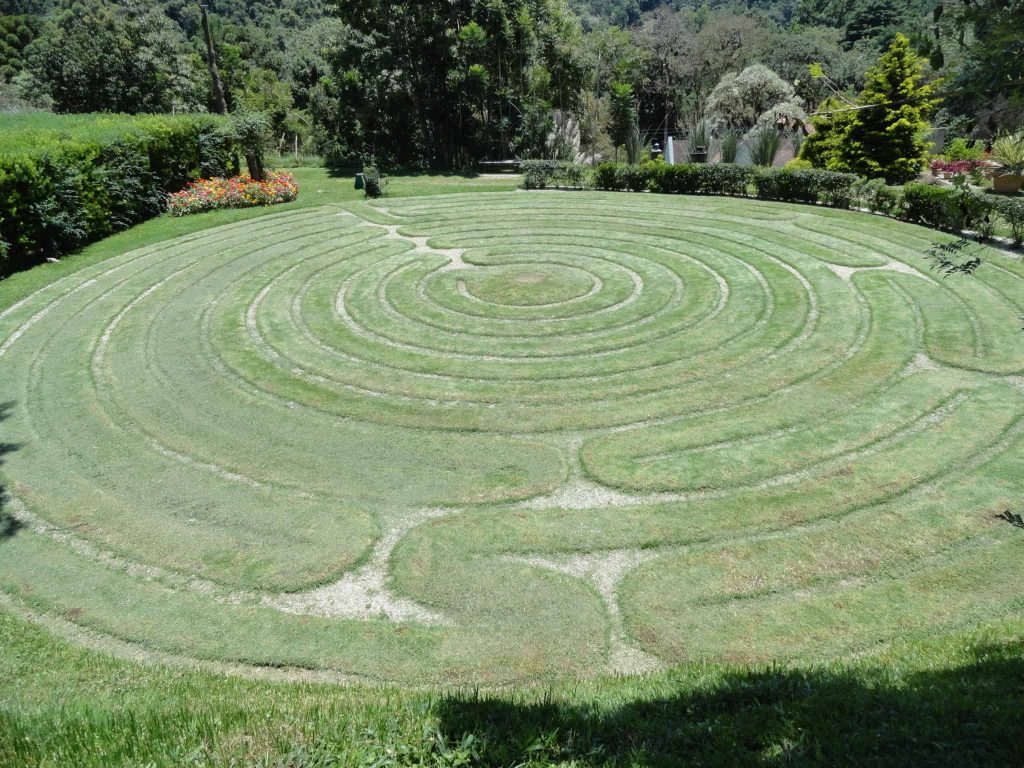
point(495, 437)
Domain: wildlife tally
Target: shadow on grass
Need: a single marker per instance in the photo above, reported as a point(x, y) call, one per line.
point(9, 525)
point(349, 172)
point(971, 715)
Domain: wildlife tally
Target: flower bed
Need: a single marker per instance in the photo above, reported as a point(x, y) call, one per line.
point(955, 167)
point(236, 192)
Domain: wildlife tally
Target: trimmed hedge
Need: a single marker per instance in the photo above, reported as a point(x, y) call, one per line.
point(953, 210)
point(68, 180)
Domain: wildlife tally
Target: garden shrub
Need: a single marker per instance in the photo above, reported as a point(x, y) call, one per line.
point(957, 210)
point(925, 204)
point(66, 180)
point(373, 183)
point(876, 196)
point(634, 178)
point(1011, 210)
point(725, 179)
point(540, 174)
point(678, 179)
point(806, 186)
point(606, 176)
point(784, 184)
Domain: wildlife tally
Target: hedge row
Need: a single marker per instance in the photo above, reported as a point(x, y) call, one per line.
point(953, 210)
point(66, 181)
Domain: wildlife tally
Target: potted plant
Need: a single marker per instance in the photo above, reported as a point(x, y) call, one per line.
point(1008, 151)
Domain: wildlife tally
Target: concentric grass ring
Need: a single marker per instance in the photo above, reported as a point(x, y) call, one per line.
point(502, 437)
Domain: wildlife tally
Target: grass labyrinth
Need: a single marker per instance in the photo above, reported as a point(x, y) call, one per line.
point(500, 437)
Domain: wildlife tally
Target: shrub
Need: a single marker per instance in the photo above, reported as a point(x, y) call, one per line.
point(538, 174)
point(236, 192)
point(373, 183)
point(764, 144)
point(1008, 151)
point(724, 179)
point(635, 177)
point(955, 210)
point(806, 186)
point(784, 184)
point(606, 176)
point(66, 180)
point(730, 144)
point(961, 149)
point(678, 179)
point(876, 196)
point(1011, 210)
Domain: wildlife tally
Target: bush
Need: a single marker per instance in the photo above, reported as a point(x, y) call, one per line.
point(606, 176)
point(678, 179)
point(806, 186)
point(373, 183)
point(1011, 210)
point(635, 177)
point(954, 210)
point(540, 174)
point(928, 205)
point(961, 149)
point(958, 209)
point(236, 192)
point(876, 196)
point(725, 179)
point(66, 180)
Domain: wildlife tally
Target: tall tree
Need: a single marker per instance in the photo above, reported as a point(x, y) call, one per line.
point(884, 135)
point(95, 56)
point(220, 106)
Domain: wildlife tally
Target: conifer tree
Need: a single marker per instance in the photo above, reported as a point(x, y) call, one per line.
point(885, 134)
point(888, 138)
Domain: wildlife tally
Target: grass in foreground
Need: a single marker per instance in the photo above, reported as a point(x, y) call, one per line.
point(955, 701)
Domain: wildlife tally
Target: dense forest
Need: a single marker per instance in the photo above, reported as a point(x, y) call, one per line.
point(445, 84)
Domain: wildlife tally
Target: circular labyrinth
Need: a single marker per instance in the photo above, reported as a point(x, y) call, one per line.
point(502, 437)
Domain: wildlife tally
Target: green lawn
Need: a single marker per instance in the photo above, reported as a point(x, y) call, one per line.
point(489, 437)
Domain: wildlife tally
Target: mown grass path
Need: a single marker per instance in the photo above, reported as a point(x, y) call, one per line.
point(509, 436)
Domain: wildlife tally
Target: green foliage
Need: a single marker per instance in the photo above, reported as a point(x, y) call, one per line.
point(954, 210)
point(1011, 210)
point(826, 147)
point(962, 149)
point(495, 89)
point(96, 56)
point(877, 197)
point(763, 144)
point(622, 122)
point(606, 176)
point(1008, 151)
point(67, 181)
point(806, 186)
point(985, 87)
point(729, 144)
point(888, 139)
point(540, 174)
point(250, 130)
point(885, 137)
point(374, 185)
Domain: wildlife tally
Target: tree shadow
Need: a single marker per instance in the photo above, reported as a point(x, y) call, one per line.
point(349, 172)
point(9, 525)
point(970, 715)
